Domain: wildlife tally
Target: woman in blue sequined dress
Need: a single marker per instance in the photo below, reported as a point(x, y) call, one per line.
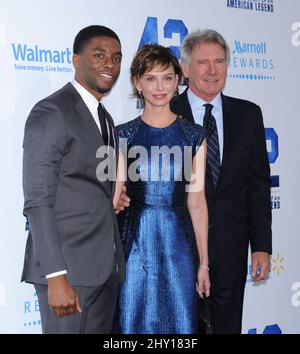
point(164, 230)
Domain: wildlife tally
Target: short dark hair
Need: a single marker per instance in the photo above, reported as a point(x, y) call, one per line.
point(150, 56)
point(86, 34)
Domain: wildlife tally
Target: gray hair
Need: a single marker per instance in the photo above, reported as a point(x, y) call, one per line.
point(202, 36)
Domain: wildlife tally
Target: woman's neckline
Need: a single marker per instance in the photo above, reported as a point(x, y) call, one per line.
point(151, 126)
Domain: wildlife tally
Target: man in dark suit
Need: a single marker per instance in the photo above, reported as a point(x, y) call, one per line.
point(237, 179)
point(73, 253)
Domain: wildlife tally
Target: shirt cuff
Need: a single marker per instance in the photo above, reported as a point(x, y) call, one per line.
point(52, 275)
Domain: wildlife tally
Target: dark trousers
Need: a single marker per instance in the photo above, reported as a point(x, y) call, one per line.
point(226, 307)
point(98, 308)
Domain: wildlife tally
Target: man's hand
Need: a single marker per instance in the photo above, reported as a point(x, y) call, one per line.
point(260, 265)
point(123, 202)
point(63, 299)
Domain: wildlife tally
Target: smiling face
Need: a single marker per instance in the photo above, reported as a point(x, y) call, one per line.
point(206, 70)
point(158, 86)
point(97, 66)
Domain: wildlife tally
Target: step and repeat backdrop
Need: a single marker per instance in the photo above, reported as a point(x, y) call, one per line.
point(36, 40)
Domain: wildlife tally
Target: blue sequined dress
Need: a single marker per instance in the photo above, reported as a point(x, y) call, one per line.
point(159, 291)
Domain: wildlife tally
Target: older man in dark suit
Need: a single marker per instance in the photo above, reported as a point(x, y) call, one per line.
point(73, 252)
point(238, 176)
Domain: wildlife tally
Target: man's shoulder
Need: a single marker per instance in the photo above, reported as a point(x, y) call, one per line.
point(62, 96)
point(54, 108)
point(182, 97)
point(238, 102)
point(180, 105)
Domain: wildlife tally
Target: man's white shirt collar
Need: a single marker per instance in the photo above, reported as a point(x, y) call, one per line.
point(198, 111)
point(197, 102)
point(89, 99)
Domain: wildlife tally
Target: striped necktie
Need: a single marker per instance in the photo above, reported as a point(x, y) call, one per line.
point(213, 149)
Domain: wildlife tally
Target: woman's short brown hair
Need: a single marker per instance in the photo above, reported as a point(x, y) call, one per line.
point(150, 56)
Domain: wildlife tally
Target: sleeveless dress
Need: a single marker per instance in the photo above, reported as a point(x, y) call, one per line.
point(158, 295)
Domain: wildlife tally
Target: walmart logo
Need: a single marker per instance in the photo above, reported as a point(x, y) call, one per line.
point(35, 58)
point(22, 52)
point(277, 264)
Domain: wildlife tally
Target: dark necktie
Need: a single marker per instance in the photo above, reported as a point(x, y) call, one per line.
point(107, 137)
point(213, 149)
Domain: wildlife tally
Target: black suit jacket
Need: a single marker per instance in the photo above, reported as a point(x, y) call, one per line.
point(240, 207)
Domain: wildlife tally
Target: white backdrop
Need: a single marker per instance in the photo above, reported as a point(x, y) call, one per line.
point(264, 36)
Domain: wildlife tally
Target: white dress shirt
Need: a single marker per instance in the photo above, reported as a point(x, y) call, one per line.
point(198, 111)
point(90, 101)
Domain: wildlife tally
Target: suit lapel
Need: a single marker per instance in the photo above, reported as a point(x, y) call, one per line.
point(186, 108)
point(180, 105)
point(93, 137)
point(228, 126)
point(87, 117)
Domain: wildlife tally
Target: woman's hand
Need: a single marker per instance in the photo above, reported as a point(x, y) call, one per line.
point(203, 281)
point(121, 202)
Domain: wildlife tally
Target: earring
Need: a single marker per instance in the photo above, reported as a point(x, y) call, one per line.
point(140, 101)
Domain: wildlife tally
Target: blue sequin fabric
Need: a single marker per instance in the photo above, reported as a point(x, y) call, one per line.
point(158, 295)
